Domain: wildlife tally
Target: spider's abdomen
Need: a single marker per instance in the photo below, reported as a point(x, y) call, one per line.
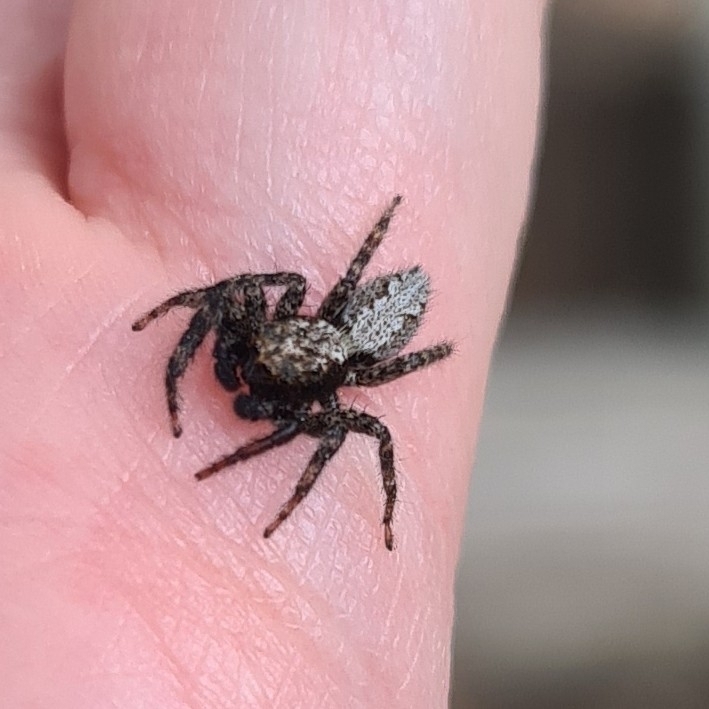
point(297, 356)
point(383, 314)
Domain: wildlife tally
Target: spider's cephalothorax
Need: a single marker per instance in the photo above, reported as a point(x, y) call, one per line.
point(290, 362)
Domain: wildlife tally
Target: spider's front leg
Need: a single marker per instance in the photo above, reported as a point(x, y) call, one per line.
point(255, 301)
point(290, 302)
point(243, 312)
point(233, 307)
point(202, 322)
point(205, 301)
point(186, 299)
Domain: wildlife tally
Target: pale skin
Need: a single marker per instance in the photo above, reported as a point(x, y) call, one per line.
point(197, 144)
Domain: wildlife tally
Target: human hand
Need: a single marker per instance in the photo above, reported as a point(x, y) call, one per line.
point(203, 141)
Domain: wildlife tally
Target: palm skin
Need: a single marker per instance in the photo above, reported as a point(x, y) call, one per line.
point(195, 145)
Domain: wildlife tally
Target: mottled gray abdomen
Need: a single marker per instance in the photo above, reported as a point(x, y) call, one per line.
point(383, 315)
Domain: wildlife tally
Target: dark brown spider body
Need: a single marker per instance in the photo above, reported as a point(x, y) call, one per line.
point(293, 365)
point(299, 360)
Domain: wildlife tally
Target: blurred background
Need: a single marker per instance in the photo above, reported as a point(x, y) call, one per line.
point(584, 578)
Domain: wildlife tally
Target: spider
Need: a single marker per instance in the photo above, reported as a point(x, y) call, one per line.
point(293, 365)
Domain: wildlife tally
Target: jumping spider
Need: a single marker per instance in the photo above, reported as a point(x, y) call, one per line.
point(293, 365)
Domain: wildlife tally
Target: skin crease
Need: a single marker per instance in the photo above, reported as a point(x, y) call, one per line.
point(197, 144)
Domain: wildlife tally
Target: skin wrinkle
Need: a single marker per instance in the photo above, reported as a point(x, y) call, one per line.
point(30, 99)
point(32, 320)
point(82, 352)
point(303, 648)
point(179, 677)
point(291, 589)
point(343, 634)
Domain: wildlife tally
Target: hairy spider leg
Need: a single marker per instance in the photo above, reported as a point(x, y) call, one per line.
point(359, 422)
point(284, 433)
point(331, 440)
point(252, 285)
point(194, 298)
point(230, 348)
point(327, 425)
point(200, 324)
point(254, 305)
point(210, 302)
point(251, 408)
point(291, 300)
point(186, 299)
point(336, 299)
point(288, 304)
point(388, 371)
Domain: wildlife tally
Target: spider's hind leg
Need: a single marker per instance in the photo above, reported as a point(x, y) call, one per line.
point(389, 370)
point(331, 440)
point(284, 433)
point(343, 420)
point(336, 299)
point(359, 422)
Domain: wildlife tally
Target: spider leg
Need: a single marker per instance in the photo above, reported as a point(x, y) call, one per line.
point(191, 339)
point(287, 305)
point(186, 299)
point(195, 298)
point(292, 299)
point(331, 441)
point(388, 371)
point(336, 299)
point(228, 355)
point(279, 437)
point(232, 286)
point(239, 319)
point(251, 408)
point(359, 422)
point(255, 300)
point(254, 305)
